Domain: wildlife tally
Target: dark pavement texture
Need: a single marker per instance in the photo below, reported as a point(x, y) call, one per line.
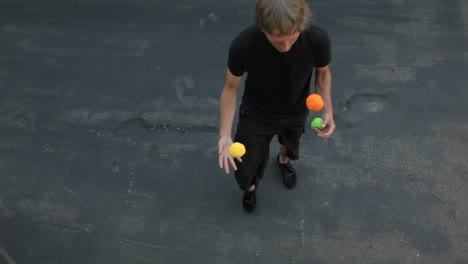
point(108, 137)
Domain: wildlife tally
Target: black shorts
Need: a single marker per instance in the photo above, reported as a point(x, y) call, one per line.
point(256, 131)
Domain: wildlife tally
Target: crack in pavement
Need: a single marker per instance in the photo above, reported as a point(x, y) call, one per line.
point(164, 127)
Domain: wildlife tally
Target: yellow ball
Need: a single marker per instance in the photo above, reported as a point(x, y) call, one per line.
point(237, 150)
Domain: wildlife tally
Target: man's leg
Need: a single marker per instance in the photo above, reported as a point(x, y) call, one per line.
point(289, 150)
point(256, 135)
point(254, 162)
point(283, 157)
point(250, 170)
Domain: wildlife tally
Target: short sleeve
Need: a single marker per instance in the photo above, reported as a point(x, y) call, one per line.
point(236, 64)
point(324, 51)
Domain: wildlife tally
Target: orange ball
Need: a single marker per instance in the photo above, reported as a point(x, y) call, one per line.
point(314, 102)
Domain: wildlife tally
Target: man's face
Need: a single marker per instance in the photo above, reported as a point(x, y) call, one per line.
point(282, 43)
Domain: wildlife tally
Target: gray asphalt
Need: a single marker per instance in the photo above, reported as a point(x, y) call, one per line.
point(108, 137)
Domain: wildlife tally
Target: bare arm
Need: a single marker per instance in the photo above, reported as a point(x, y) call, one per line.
point(227, 110)
point(323, 87)
point(227, 104)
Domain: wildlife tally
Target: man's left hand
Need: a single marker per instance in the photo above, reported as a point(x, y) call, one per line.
point(328, 126)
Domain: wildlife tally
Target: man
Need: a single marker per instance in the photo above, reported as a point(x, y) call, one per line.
point(279, 54)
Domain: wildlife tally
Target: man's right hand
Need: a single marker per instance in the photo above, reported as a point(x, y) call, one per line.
point(224, 157)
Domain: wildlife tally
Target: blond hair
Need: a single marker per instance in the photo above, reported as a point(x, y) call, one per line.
point(283, 17)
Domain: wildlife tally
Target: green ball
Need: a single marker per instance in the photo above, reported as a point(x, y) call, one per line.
point(317, 123)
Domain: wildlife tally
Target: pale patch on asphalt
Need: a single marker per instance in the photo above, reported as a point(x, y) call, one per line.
point(181, 85)
point(52, 62)
point(213, 17)
point(139, 46)
point(396, 63)
point(384, 73)
point(16, 114)
point(130, 222)
point(90, 117)
point(6, 212)
point(133, 217)
point(341, 247)
point(48, 211)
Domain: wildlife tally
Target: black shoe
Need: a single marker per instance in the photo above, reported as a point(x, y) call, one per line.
point(249, 200)
point(288, 173)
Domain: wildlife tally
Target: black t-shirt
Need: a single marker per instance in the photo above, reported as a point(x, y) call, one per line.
point(278, 83)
